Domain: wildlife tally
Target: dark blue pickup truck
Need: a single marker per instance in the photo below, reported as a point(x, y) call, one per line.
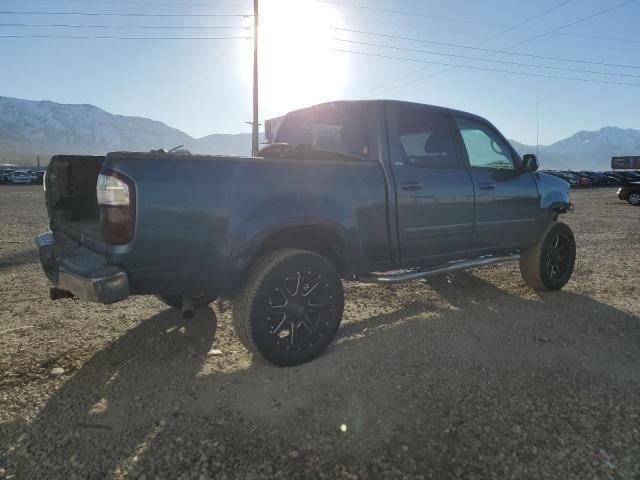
point(377, 191)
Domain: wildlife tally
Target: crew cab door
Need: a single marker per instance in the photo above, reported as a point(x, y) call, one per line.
point(434, 192)
point(507, 204)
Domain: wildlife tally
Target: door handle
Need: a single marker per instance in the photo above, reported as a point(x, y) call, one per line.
point(487, 186)
point(411, 186)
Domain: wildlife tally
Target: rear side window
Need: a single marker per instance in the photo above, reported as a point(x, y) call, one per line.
point(485, 147)
point(332, 127)
point(426, 139)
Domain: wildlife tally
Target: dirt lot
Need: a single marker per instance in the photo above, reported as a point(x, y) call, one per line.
point(470, 376)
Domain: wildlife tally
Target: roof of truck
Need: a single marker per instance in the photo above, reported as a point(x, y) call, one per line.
point(398, 102)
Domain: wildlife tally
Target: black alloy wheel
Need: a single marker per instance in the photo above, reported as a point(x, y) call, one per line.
point(548, 264)
point(559, 256)
point(291, 307)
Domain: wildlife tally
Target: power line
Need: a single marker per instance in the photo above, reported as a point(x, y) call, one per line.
point(484, 24)
point(154, 27)
point(96, 14)
point(470, 47)
point(487, 39)
point(580, 20)
point(506, 62)
point(575, 22)
point(470, 22)
point(110, 37)
point(487, 69)
point(159, 4)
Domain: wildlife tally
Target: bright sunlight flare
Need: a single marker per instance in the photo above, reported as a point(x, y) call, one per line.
point(297, 63)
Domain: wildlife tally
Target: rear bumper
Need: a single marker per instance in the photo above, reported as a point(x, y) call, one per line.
point(82, 272)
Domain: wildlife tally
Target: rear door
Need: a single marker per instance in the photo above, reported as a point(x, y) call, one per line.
point(507, 204)
point(434, 192)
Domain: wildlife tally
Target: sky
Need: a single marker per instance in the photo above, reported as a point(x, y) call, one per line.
point(307, 55)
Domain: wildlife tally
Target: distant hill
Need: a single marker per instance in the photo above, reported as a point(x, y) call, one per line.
point(29, 128)
point(586, 150)
point(222, 144)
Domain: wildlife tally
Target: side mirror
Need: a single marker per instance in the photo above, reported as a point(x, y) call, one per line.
point(529, 162)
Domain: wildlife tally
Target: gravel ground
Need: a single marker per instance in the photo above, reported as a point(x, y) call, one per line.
point(470, 376)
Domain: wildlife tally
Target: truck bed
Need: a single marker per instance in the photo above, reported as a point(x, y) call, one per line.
point(200, 219)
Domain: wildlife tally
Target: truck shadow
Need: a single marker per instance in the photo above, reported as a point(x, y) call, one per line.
point(134, 405)
point(17, 259)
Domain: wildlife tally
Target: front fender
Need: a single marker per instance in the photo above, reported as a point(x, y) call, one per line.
point(554, 194)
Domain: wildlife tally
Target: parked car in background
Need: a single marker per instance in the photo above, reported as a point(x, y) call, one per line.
point(596, 178)
point(631, 193)
point(5, 175)
point(20, 177)
point(632, 176)
point(38, 177)
point(570, 179)
point(583, 180)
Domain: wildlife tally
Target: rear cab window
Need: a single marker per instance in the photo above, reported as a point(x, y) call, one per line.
point(333, 127)
point(426, 139)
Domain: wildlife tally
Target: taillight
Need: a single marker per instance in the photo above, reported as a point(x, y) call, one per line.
point(116, 199)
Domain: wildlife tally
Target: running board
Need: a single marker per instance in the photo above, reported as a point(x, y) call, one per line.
point(435, 271)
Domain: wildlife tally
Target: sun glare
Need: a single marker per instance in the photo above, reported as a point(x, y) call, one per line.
point(297, 63)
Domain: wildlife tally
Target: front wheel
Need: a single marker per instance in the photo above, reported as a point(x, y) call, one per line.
point(548, 265)
point(290, 307)
point(634, 199)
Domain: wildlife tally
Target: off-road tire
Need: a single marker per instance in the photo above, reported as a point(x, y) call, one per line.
point(175, 301)
point(283, 328)
point(548, 265)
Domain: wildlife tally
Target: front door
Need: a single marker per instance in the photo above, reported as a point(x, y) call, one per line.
point(507, 204)
point(434, 192)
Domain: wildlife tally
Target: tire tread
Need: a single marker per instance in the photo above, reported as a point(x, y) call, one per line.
point(243, 302)
point(531, 261)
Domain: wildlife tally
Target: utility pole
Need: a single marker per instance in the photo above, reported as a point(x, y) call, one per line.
point(255, 141)
point(537, 126)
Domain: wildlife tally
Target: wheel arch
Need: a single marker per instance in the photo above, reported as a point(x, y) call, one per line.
point(322, 239)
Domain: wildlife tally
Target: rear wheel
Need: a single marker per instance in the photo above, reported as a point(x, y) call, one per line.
point(290, 307)
point(175, 301)
point(634, 198)
point(548, 265)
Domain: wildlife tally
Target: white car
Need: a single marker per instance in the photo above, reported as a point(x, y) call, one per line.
point(20, 176)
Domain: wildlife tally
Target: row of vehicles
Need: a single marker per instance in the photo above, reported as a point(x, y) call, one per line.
point(587, 178)
point(628, 180)
point(21, 176)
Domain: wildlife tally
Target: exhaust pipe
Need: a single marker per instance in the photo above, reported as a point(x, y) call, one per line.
point(57, 293)
point(187, 307)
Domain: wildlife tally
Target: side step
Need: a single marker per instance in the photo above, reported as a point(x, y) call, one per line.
point(435, 271)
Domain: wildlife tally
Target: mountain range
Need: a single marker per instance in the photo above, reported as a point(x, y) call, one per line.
point(586, 150)
point(29, 128)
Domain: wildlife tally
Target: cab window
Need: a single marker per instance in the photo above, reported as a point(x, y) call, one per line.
point(485, 147)
point(426, 140)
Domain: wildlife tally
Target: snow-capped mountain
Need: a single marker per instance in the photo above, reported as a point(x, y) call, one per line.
point(26, 124)
point(29, 128)
point(587, 150)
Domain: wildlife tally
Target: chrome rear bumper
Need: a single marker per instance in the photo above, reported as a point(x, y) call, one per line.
point(80, 271)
